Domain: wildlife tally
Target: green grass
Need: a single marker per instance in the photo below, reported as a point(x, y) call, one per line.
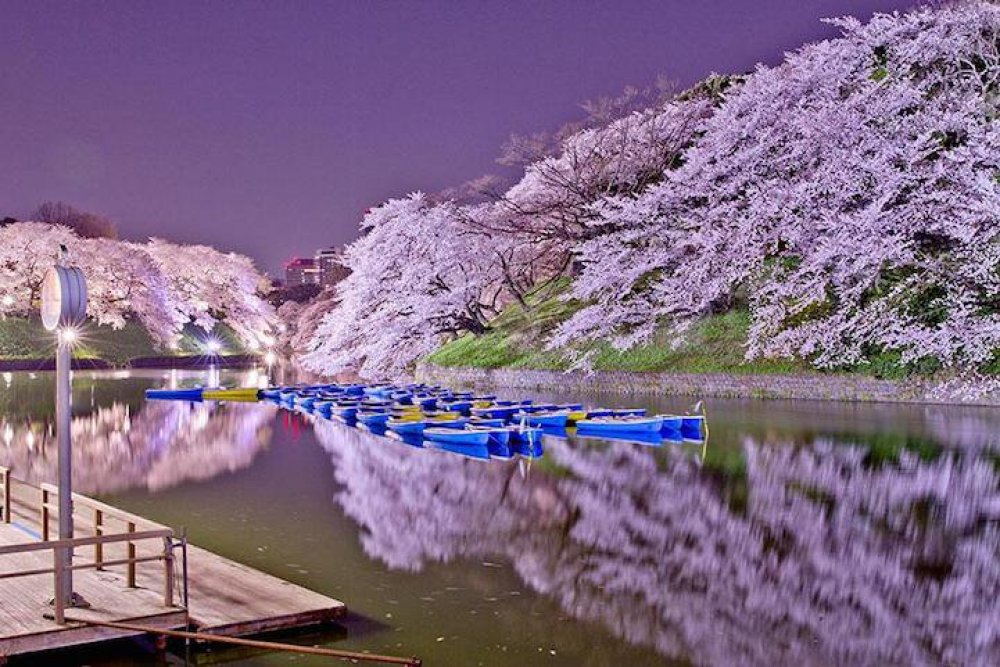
point(27, 339)
point(517, 340)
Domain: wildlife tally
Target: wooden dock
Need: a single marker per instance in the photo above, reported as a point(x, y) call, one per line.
point(130, 571)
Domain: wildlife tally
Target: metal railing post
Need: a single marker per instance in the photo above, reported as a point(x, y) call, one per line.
point(131, 556)
point(168, 572)
point(45, 514)
point(98, 531)
point(59, 594)
point(5, 480)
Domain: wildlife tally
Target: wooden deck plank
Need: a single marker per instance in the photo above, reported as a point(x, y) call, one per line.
point(225, 597)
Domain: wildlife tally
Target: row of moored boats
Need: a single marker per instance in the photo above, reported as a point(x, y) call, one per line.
point(481, 426)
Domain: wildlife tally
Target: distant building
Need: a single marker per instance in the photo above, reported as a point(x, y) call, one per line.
point(301, 271)
point(330, 264)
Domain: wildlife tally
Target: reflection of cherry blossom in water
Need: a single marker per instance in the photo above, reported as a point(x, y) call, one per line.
point(164, 444)
point(831, 562)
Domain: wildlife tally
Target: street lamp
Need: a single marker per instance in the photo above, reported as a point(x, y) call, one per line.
point(64, 307)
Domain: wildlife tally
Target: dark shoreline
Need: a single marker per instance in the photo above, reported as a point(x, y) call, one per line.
point(810, 387)
point(193, 362)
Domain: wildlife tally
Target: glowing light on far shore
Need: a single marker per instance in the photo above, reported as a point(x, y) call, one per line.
point(7, 300)
point(69, 335)
point(213, 346)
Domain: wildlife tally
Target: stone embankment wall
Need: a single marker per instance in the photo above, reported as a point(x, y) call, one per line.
point(827, 387)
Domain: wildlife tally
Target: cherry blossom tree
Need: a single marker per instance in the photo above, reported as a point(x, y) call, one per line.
point(27, 250)
point(851, 192)
point(213, 286)
point(160, 284)
point(417, 273)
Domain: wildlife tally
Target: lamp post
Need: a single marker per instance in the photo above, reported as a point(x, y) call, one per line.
point(64, 306)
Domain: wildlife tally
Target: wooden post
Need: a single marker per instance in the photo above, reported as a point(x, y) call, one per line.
point(45, 514)
point(98, 531)
point(5, 480)
point(59, 594)
point(131, 557)
point(168, 573)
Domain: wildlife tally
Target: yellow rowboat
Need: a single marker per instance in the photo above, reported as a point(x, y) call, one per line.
point(408, 417)
point(245, 395)
point(443, 416)
point(576, 415)
point(482, 404)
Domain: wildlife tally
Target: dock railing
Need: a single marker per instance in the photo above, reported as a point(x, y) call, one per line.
point(106, 526)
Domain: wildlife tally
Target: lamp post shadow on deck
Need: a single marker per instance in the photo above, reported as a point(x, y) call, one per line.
point(64, 307)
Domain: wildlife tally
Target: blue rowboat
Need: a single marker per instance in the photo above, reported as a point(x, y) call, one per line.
point(463, 395)
point(498, 434)
point(620, 425)
point(485, 397)
point(343, 411)
point(406, 427)
point(323, 407)
point(671, 423)
point(457, 424)
point(271, 392)
point(572, 407)
point(499, 444)
point(175, 394)
point(673, 437)
point(546, 419)
point(288, 396)
point(631, 412)
point(692, 426)
point(372, 418)
point(488, 423)
point(477, 452)
point(426, 402)
point(463, 406)
point(409, 438)
point(635, 437)
point(527, 442)
point(307, 401)
point(453, 436)
point(495, 412)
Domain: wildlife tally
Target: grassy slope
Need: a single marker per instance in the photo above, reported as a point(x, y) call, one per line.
point(27, 339)
point(517, 337)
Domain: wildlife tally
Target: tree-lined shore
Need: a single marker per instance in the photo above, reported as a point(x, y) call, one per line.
point(841, 211)
point(144, 299)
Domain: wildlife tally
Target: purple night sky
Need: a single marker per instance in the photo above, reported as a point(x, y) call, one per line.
point(269, 127)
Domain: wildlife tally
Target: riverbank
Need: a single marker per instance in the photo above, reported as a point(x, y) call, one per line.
point(26, 346)
point(798, 386)
point(85, 364)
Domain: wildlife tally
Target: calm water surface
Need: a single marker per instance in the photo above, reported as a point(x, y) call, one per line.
point(801, 533)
